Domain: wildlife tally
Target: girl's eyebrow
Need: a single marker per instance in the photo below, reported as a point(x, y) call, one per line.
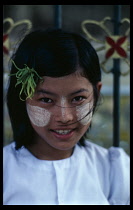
point(79, 91)
point(46, 92)
point(54, 94)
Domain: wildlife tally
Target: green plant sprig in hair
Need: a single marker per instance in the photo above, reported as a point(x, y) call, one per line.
point(28, 78)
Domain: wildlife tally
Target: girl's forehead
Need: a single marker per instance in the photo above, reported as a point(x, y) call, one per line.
point(69, 83)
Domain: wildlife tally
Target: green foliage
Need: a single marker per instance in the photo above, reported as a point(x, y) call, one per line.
point(28, 78)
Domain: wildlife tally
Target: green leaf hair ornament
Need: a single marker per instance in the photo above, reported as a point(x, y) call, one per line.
point(28, 78)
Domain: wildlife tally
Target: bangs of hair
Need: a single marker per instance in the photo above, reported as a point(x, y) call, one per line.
point(50, 55)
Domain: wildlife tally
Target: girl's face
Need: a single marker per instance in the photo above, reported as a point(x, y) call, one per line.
point(58, 111)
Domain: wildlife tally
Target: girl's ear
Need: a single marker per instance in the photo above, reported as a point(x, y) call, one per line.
point(99, 86)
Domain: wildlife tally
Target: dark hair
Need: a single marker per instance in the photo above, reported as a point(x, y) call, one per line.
point(53, 53)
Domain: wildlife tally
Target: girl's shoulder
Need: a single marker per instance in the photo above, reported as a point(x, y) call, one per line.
point(9, 149)
point(9, 152)
point(113, 154)
point(112, 164)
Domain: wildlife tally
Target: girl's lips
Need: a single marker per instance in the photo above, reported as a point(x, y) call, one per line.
point(65, 134)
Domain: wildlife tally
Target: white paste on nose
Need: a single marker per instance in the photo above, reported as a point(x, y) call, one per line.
point(82, 112)
point(63, 102)
point(38, 116)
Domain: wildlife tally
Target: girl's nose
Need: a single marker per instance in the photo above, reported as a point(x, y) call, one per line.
point(64, 115)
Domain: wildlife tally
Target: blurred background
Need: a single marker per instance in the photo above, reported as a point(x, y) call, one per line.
point(72, 16)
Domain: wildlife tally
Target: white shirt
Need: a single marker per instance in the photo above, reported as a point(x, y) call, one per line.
point(91, 176)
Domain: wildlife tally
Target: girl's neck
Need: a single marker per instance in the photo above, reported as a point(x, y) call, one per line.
point(44, 151)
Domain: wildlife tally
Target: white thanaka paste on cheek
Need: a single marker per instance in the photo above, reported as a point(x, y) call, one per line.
point(82, 112)
point(38, 116)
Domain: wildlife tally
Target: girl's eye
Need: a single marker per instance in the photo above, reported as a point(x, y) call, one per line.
point(78, 99)
point(46, 100)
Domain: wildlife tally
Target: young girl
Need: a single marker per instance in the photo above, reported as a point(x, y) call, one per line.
point(54, 88)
